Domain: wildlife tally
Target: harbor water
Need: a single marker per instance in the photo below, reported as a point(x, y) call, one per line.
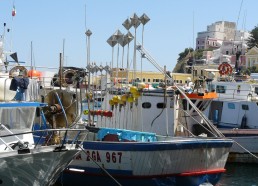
point(240, 174)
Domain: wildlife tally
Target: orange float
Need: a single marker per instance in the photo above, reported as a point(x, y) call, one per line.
point(34, 74)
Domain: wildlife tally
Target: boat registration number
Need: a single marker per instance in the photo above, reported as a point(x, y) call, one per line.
point(100, 156)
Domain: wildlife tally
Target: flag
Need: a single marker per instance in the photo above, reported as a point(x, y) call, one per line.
point(13, 11)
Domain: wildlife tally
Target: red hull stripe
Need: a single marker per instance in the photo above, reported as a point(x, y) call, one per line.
point(203, 172)
point(197, 173)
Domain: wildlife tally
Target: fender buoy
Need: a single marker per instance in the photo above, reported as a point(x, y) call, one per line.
point(225, 68)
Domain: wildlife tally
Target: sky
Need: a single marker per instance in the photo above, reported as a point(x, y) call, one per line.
point(45, 28)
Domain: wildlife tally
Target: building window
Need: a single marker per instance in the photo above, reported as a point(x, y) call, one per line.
point(195, 72)
point(148, 80)
point(143, 79)
point(154, 80)
point(256, 90)
point(226, 52)
point(198, 42)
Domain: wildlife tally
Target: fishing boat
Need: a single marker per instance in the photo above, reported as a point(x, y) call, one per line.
point(36, 139)
point(144, 136)
point(150, 137)
point(26, 160)
point(130, 152)
point(235, 113)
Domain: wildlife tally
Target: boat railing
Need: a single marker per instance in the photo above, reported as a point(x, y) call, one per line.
point(44, 137)
point(237, 94)
point(41, 79)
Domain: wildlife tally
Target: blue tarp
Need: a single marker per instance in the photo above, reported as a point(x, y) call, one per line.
point(127, 135)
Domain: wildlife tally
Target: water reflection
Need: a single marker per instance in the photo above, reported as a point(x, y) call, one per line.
point(240, 174)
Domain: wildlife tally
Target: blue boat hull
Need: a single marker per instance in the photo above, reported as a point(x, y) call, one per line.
point(78, 178)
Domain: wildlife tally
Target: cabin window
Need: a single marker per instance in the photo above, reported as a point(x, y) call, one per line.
point(220, 89)
point(146, 105)
point(231, 106)
point(161, 105)
point(245, 107)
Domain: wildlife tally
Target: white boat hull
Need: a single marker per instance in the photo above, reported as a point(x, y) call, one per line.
point(175, 159)
point(41, 166)
point(246, 141)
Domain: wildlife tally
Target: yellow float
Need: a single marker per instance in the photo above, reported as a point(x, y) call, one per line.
point(133, 89)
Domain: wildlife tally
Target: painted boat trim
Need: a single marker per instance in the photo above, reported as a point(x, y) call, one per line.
point(155, 146)
point(194, 173)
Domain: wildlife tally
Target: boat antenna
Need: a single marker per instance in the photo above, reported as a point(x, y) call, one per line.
point(63, 51)
point(237, 52)
point(193, 50)
point(31, 65)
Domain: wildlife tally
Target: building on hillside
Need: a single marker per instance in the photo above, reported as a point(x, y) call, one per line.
point(252, 58)
point(219, 32)
point(181, 78)
point(215, 34)
point(222, 40)
point(148, 77)
point(120, 75)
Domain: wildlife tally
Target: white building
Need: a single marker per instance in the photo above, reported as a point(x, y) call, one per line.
point(219, 32)
point(224, 40)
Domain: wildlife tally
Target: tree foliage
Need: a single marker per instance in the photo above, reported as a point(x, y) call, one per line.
point(250, 70)
point(184, 57)
point(183, 54)
point(253, 38)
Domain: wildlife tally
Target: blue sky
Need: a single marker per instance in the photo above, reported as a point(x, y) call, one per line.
point(173, 25)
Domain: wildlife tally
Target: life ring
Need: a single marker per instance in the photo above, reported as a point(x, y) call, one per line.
point(225, 68)
point(18, 70)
